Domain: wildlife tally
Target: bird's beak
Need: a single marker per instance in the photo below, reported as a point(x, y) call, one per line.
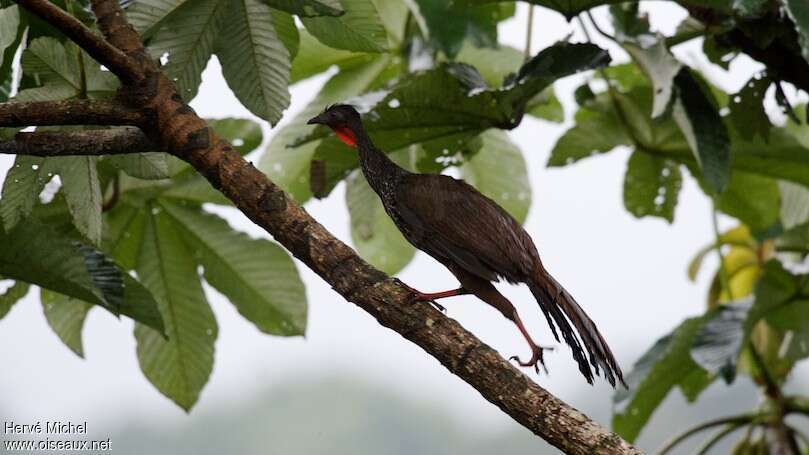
point(318, 119)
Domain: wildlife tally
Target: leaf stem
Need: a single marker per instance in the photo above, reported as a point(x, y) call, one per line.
point(730, 428)
point(528, 32)
point(734, 420)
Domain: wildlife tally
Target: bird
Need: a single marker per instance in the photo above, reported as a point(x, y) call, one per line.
point(478, 241)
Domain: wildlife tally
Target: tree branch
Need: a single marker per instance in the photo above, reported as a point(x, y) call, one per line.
point(115, 141)
point(177, 129)
point(103, 52)
point(72, 112)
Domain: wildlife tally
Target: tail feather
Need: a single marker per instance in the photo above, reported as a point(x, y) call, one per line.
point(561, 308)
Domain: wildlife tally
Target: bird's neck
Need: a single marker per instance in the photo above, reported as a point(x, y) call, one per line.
point(380, 171)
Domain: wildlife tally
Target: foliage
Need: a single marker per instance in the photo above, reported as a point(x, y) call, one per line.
point(438, 93)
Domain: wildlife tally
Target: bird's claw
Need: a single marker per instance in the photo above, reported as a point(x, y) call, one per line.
point(536, 358)
point(415, 296)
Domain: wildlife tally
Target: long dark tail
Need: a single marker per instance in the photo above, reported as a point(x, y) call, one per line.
point(561, 308)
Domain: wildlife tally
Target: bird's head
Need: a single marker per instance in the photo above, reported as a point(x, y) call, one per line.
point(343, 119)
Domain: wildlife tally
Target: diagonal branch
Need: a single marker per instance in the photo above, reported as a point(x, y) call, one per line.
point(115, 141)
point(72, 112)
point(177, 129)
point(103, 52)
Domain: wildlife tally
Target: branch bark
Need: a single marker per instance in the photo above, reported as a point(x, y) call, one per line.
point(71, 112)
point(115, 141)
point(177, 129)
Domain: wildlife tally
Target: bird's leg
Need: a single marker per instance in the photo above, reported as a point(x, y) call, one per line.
point(536, 350)
point(418, 296)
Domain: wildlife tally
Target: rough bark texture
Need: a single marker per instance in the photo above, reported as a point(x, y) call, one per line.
point(71, 112)
point(94, 142)
point(178, 130)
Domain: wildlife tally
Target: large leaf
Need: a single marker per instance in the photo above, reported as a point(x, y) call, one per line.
point(719, 341)
point(702, 126)
point(794, 204)
point(314, 58)
point(148, 166)
point(747, 109)
point(596, 131)
point(256, 275)
point(12, 295)
point(373, 233)
point(9, 22)
point(7, 76)
point(82, 191)
point(187, 39)
point(359, 29)
point(799, 13)
point(65, 315)
point(255, 61)
point(37, 254)
point(308, 8)
point(450, 23)
point(497, 169)
point(753, 199)
point(148, 16)
point(179, 365)
point(660, 66)
point(651, 186)
point(664, 366)
point(288, 166)
point(21, 188)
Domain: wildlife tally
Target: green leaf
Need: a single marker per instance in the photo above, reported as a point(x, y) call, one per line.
point(450, 23)
point(12, 295)
point(747, 113)
point(308, 8)
point(719, 341)
point(255, 62)
point(373, 233)
point(21, 188)
point(798, 11)
point(83, 193)
point(794, 204)
point(546, 106)
point(7, 56)
point(289, 166)
point(664, 366)
point(753, 199)
point(702, 126)
point(494, 64)
point(9, 23)
point(37, 254)
point(65, 315)
point(256, 275)
point(314, 58)
point(597, 130)
point(651, 186)
point(178, 366)
point(628, 22)
point(147, 166)
point(497, 169)
point(148, 16)
point(660, 67)
point(188, 38)
point(359, 29)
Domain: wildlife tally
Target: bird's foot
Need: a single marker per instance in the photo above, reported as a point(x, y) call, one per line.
point(418, 296)
point(536, 358)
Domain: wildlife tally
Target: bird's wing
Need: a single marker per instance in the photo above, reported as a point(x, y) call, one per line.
point(450, 219)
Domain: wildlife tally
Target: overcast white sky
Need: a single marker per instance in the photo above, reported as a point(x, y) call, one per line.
point(628, 274)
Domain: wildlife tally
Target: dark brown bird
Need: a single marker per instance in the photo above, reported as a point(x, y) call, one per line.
point(477, 241)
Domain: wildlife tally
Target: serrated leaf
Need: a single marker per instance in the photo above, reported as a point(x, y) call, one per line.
point(37, 254)
point(315, 57)
point(702, 126)
point(21, 188)
point(747, 113)
point(494, 64)
point(147, 166)
point(9, 23)
point(651, 186)
point(256, 275)
point(595, 131)
point(66, 317)
point(148, 16)
point(289, 166)
point(664, 366)
point(9, 30)
point(497, 169)
point(12, 295)
point(359, 29)
point(373, 233)
point(187, 38)
point(82, 192)
point(308, 8)
point(753, 199)
point(255, 62)
point(450, 24)
point(179, 365)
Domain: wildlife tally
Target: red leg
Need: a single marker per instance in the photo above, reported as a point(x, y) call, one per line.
point(431, 297)
point(536, 350)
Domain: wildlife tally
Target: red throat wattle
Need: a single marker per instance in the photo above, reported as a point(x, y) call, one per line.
point(346, 135)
